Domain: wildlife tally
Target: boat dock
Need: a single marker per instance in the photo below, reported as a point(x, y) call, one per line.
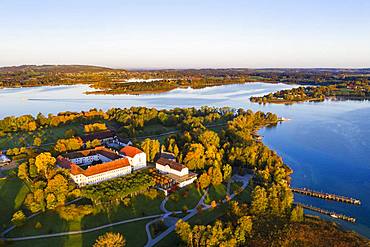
point(326, 196)
point(326, 212)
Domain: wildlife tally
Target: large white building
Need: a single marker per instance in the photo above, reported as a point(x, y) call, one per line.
point(136, 157)
point(102, 164)
point(175, 171)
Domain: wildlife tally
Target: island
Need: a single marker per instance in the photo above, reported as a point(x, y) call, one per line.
point(147, 177)
point(349, 91)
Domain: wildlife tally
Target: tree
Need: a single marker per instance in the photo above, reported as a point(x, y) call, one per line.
point(110, 239)
point(216, 175)
point(58, 186)
point(195, 158)
point(209, 138)
point(244, 228)
point(151, 148)
point(23, 172)
point(183, 229)
point(18, 218)
point(259, 201)
point(297, 214)
point(204, 180)
point(70, 144)
point(37, 141)
point(227, 169)
point(44, 162)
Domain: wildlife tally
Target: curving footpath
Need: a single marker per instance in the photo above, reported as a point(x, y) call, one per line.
point(151, 242)
point(82, 231)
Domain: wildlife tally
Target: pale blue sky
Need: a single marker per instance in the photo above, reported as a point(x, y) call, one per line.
point(186, 33)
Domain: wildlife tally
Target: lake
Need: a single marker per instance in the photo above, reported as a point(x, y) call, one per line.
point(327, 144)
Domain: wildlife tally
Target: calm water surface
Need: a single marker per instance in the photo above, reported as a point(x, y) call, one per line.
point(327, 144)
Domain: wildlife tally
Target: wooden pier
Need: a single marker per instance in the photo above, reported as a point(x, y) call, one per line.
point(329, 213)
point(326, 196)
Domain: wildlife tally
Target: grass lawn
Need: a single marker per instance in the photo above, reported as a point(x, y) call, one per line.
point(155, 129)
point(134, 234)
point(12, 194)
point(188, 196)
point(208, 216)
point(52, 223)
point(216, 193)
point(169, 241)
point(47, 135)
point(243, 197)
point(235, 187)
point(203, 218)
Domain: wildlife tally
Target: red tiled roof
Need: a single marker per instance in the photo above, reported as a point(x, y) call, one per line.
point(172, 164)
point(130, 151)
point(96, 169)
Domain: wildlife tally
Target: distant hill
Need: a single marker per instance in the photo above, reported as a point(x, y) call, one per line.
point(56, 69)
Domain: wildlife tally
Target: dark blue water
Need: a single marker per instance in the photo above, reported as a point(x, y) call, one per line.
point(329, 150)
point(327, 144)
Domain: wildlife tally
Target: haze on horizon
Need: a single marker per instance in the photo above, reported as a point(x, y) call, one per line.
point(186, 33)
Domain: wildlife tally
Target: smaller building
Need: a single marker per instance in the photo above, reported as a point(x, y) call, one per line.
point(136, 157)
point(168, 155)
point(103, 136)
point(176, 171)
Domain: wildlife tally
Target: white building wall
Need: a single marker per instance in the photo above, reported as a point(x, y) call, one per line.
point(187, 182)
point(85, 160)
point(167, 169)
point(82, 180)
point(138, 161)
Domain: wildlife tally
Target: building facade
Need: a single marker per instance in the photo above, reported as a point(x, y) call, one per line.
point(176, 171)
point(136, 157)
point(102, 164)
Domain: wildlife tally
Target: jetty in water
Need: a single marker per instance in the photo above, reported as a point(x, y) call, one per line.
point(326, 196)
point(326, 212)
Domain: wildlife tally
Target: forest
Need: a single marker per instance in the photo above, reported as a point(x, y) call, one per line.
point(114, 81)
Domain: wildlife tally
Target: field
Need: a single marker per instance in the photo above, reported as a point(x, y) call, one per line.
point(12, 194)
point(47, 135)
point(52, 223)
point(133, 232)
point(188, 196)
point(216, 193)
